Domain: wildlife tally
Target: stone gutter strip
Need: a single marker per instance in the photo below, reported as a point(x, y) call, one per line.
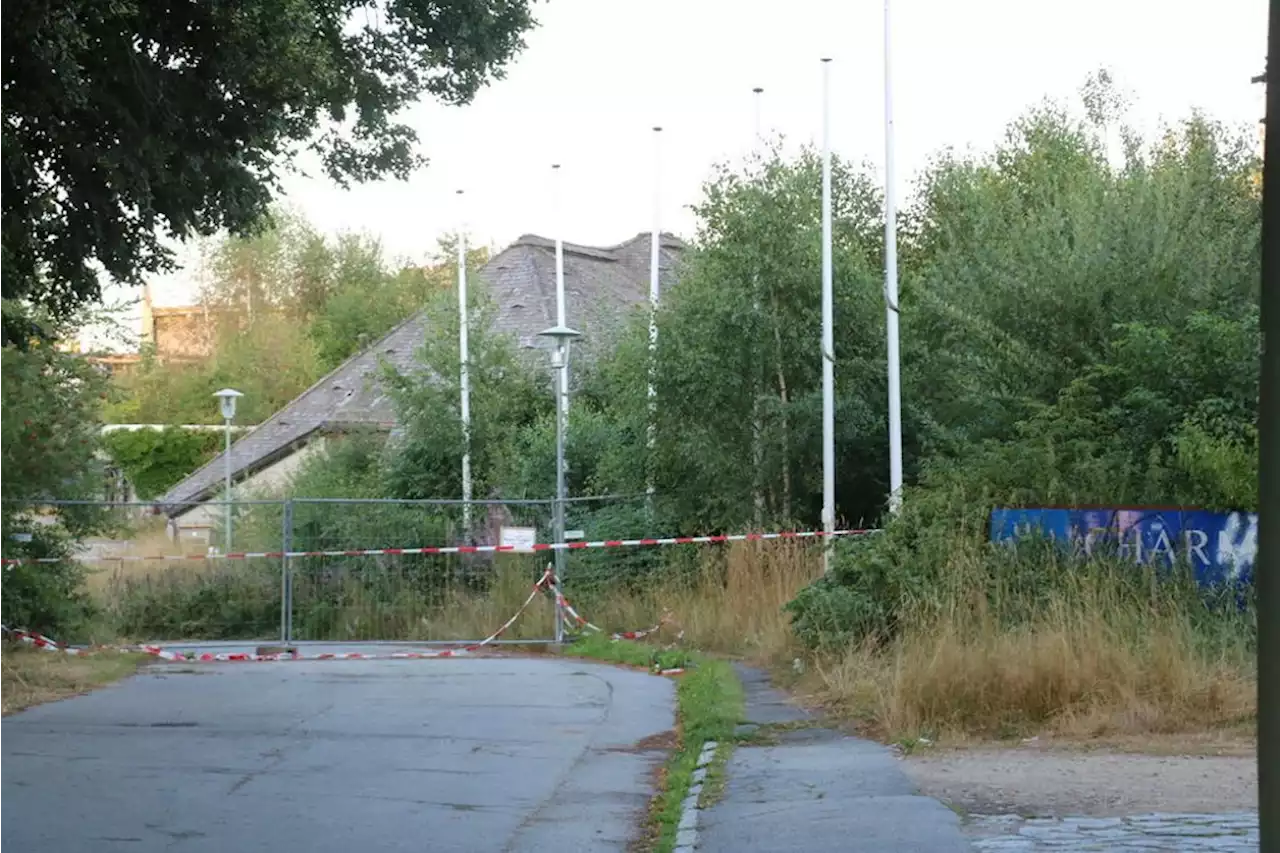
point(687, 830)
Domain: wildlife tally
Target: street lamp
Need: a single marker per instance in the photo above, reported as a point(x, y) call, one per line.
point(227, 402)
point(561, 336)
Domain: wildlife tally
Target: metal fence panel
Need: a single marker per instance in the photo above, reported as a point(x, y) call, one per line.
point(301, 568)
point(422, 597)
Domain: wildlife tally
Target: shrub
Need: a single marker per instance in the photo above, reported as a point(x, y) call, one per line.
point(155, 460)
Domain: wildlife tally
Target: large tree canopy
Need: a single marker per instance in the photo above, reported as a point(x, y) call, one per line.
point(128, 120)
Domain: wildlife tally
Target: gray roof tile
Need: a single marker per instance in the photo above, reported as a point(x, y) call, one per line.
point(601, 285)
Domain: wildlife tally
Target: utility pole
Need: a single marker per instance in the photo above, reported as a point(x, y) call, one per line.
point(757, 426)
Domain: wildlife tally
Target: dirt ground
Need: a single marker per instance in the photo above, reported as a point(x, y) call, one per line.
point(1212, 775)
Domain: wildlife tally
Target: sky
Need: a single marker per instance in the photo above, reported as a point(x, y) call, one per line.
point(598, 75)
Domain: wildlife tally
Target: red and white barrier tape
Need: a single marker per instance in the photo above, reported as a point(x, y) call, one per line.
point(43, 642)
point(462, 549)
point(568, 609)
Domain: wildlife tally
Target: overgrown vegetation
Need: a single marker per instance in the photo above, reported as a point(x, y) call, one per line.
point(152, 460)
point(1003, 644)
point(50, 440)
point(1077, 329)
point(283, 308)
point(1092, 338)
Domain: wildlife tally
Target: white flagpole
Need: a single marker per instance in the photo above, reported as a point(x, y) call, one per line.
point(757, 427)
point(891, 282)
point(828, 333)
point(655, 294)
point(464, 371)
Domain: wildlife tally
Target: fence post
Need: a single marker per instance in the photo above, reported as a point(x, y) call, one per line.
point(286, 578)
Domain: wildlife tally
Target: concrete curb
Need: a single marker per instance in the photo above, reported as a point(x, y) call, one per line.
point(687, 830)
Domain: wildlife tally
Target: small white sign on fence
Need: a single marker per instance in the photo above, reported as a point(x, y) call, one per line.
point(518, 538)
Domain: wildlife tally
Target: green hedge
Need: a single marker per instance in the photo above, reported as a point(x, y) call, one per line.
point(154, 460)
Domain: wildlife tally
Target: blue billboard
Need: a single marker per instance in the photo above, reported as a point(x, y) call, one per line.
point(1220, 546)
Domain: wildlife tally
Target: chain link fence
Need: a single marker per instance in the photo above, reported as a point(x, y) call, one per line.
point(300, 569)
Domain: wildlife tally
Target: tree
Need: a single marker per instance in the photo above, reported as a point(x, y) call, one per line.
point(123, 120)
point(738, 344)
point(290, 305)
point(508, 395)
point(1075, 332)
point(271, 360)
point(51, 401)
point(366, 301)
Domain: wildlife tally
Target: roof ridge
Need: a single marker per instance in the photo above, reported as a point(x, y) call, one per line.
point(667, 238)
point(537, 241)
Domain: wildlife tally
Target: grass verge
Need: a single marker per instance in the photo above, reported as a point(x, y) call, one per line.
point(709, 703)
point(31, 677)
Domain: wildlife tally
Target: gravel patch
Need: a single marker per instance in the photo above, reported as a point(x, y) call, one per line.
point(1042, 783)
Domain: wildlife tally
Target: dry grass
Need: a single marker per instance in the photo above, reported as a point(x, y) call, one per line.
point(34, 676)
point(1096, 662)
point(1090, 659)
point(733, 606)
point(1090, 662)
point(148, 539)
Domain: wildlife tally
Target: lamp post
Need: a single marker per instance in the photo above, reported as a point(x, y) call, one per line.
point(227, 402)
point(560, 336)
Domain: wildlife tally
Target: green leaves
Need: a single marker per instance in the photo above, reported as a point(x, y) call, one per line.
point(284, 307)
point(127, 121)
point(154, 460)
point(507, 397)
point(50, 400)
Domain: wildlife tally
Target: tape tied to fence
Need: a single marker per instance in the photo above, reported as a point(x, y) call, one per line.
point(457, 549)
point(40, 641)
point(562, 602)
point(548, 582)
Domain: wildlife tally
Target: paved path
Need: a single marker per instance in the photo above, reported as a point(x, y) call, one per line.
point(820, 791)
point(468, 754)
point(1224, 833)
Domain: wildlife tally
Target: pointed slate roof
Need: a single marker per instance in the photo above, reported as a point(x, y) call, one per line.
point(601, 285)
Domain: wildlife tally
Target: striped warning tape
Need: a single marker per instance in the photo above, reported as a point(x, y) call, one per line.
point(40, 641)
point(581, 622)
point(467, 549)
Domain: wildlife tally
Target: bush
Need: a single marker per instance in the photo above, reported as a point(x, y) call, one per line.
point(50, 440)
point(155, 460)
point(45, 597)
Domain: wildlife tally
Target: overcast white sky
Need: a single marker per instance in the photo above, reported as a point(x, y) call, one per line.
point(598, 74)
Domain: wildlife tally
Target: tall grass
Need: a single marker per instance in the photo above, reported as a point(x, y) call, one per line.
point(730, 603)
point(1087, 649)
point(1001, 645)
point(721, 600)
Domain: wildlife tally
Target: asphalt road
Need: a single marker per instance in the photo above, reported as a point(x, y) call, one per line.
point(465, 754)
